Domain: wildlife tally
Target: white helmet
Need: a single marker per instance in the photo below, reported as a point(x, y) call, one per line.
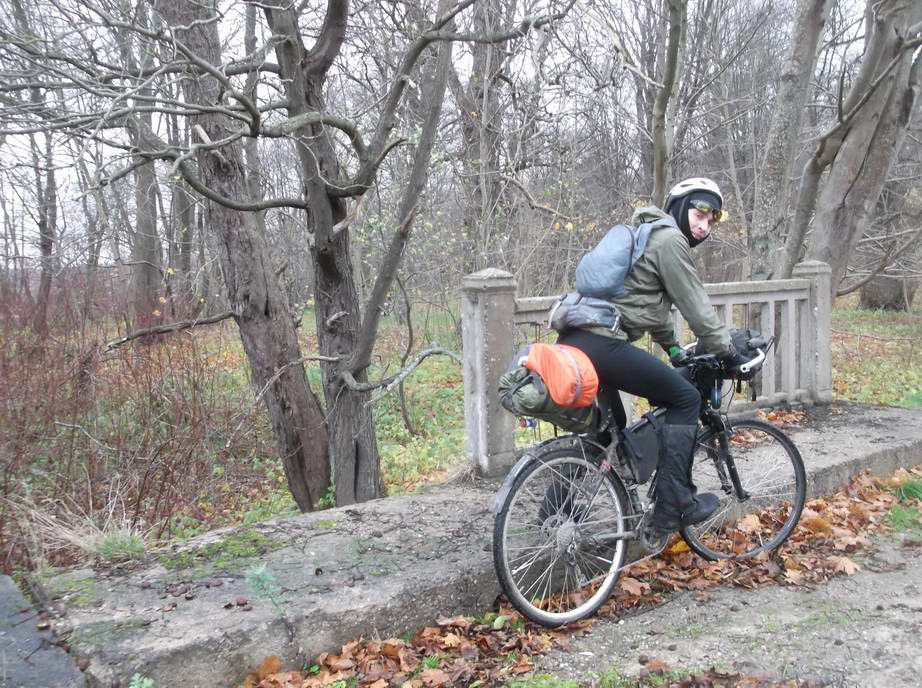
point(686, 186)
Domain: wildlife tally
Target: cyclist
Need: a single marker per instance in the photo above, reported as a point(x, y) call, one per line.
point(664, 276)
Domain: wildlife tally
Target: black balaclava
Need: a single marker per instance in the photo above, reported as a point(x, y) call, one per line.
point(679, 208)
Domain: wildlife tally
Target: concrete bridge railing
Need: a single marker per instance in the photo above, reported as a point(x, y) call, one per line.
point(797, 311)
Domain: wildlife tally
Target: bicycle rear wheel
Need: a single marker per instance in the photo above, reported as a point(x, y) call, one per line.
point(774, 483)
point(558, 539)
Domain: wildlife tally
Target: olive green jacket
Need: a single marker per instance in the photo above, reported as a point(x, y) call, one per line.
point(665, 275)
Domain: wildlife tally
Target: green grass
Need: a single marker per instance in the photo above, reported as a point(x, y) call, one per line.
point(905, 519)
point(543, 681)
point(432, 661)
point(877, 356)
point(435, 401)
point(120, 545)
point(911, 489)
point(224, 554)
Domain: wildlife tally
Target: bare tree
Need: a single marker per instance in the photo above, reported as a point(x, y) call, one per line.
point(858, 148)
point(771, 210)
point(664, 107)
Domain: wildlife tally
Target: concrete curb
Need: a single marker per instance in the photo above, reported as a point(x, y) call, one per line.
point(379, 569)
point(27, 656)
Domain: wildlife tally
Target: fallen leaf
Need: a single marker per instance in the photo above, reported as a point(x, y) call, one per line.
point(342, 664)
point(288, 679)
point(391, 648)
point(523, 667)
point(679, 547)
point(817, 524)
point(450, 640)
point(270, 665)
point(434, 677)
point(657, 666)
point(845, 565)
point(750, 523)
point(633, 586)
point(794, 577)
point(462, 622)
point(791, 564)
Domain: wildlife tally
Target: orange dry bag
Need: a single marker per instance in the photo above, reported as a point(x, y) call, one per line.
point(568, 373)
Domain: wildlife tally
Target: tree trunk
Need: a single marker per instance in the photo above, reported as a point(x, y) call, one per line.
point(771, 211)
point(47, 228)
point(481, 130)
point(260, 309)
point(862, 162)
point(665, 104)
point(888, 293)
point(353, 447)
point(872, 110)
point(145, 250)
point(254, 173)
point(185, 217)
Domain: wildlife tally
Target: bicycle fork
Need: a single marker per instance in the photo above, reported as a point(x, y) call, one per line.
point(726, 467)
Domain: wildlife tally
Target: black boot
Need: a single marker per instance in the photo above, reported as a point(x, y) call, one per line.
point(677, 502)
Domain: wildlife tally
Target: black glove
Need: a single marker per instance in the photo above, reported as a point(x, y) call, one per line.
point(731, 363)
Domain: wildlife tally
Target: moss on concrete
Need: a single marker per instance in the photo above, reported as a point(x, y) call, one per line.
point(73, 590)
point(106, 632)
point(223, 554)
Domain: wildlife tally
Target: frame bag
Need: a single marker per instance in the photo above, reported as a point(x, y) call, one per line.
point(642, 444)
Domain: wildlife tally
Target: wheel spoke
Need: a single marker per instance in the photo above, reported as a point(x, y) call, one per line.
point(771, 475)
point(549, 544)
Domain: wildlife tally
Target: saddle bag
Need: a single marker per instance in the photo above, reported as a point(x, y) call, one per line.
point(555, 383)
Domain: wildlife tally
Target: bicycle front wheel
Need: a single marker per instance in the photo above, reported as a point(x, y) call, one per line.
point(774, 487)
point(558, 540)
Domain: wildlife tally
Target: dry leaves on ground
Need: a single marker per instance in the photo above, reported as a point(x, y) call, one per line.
point(463, 651)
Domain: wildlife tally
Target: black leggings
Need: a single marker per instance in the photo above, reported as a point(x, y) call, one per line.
point(624, 367)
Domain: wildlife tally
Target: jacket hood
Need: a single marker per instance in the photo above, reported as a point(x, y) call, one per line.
point(650, 214)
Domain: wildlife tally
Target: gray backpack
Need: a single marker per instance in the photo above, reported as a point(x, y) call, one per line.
point(602, 271)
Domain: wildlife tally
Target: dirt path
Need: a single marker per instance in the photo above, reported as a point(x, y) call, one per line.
point(862, 630)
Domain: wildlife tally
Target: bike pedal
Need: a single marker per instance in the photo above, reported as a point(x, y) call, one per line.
point(654, 541)
point(651, 539)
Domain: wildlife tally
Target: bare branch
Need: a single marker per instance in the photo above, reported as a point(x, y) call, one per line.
point(166, 329)
point(531, 199)
point(390, 382)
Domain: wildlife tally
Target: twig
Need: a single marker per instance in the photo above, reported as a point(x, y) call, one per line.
point(404, 411)
point(531, 199)
point(871, 336)
point(82, 429)
point(390, 382)
point(265, 388)
point(167, 328)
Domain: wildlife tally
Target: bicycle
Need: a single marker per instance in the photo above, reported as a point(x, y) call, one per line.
point(569, 507)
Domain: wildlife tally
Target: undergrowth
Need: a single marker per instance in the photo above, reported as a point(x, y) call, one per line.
point(877, 356)
point(162, 437)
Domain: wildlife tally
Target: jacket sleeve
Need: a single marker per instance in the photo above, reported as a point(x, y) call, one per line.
point(664, 335)
point(680, 278)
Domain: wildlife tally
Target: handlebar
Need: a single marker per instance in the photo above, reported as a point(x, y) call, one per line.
point(711, 362)
point(754, 362)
